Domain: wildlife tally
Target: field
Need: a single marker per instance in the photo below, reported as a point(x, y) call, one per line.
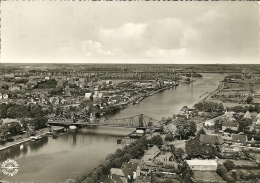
point(207, 176)
point(235, 93)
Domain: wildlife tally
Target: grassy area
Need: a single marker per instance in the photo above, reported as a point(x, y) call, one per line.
point(207, 176)
point(236, 92)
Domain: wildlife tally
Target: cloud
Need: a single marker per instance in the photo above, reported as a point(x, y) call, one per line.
point(213, 32)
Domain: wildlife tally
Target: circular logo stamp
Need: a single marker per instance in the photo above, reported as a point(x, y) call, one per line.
point(10, 167)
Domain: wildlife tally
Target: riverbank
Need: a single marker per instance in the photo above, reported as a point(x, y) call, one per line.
point(209, 94)
point(22, 138)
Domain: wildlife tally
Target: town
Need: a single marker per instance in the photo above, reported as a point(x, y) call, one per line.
point(216, 140)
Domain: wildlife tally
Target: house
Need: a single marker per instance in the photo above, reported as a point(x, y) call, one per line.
point(109, 82)
point(10, 75)
point(247, 115)
point(9, 121)
point(212, 139)
point(149, 165)
point(113, 179)
point(88, 95)
point(239, 139)
point(131, 170)
point(202, 165)
point(46, 78)
point(54, 100)
point(151, 153)
point(164, 157)
point(231, 125)
point(184, 110)
point(5, 96)
point(230, 149)
point(13, 88)
point(117, 175)
point(258, 116)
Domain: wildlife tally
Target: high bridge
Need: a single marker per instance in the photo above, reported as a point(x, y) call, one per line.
point(140, 121)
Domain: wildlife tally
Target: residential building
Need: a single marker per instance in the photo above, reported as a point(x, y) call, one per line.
point(151, 153)
point(239, 139)
point(202, 165)
point(10, 75)
point(54, 100)
point(164, 157)
point(14, 87)
point(88, 95)
point(247, 115)
point(184, 110)
point(10, 120)
point(131, 170)
point(230, 149)
point(231, 125)
point(5, 96)
point(212, 139)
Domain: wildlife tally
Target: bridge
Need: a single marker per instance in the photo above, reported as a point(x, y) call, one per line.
point(140, 121)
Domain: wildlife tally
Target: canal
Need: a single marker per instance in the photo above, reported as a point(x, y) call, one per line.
point(75, 154)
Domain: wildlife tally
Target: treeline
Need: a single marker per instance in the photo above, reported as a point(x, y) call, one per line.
point(196, 149)
point(196, 75)
point(21, 81)
point(134, 150)
point(250, 108)
point(185, 128)
point(15, 128)
point(13, 110)
point(47, 84)
point(209, 107)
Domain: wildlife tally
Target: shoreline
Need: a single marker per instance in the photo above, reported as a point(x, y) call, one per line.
point(219, 88)
point(13, 144)
point(20, 141)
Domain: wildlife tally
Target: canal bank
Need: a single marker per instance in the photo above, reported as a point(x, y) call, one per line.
point(75, 154)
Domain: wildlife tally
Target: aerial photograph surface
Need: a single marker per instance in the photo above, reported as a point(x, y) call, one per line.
point(130, 92)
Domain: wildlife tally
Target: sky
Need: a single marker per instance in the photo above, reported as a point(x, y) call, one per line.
point(221, 32)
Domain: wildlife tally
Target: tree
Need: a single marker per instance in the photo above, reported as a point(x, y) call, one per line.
point(229, 165)
point(179, 152)
point(5, 87)
point(156, 140)
point(170, 128)
point(238, 109)
point(169, 138)
point(257, 108)
point(221, 107)
point(186, 128)
point(251, 108)
point(249, 99)
point(222, 171)
point(245, 109)
point(199, 106)
point(201, 131)
point(172, 149)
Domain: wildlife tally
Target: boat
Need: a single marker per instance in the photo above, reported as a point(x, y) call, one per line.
point(49, 133)
point(35, 138)
point(73, 128)
point(55, 135)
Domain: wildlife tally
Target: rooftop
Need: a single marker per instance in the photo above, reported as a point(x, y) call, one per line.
point(211, 139)
point(201, 162)
point(239, 138)
point(152, 151)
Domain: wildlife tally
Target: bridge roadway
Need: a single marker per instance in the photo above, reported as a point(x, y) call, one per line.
point(67, 124)
point(140, 121)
